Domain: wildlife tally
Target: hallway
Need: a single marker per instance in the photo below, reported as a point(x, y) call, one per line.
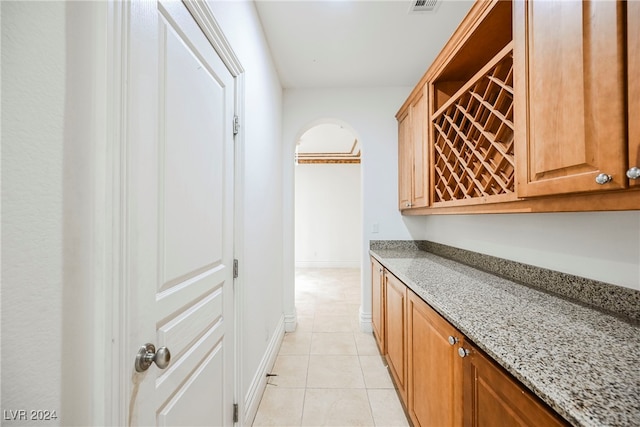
point(328, 373)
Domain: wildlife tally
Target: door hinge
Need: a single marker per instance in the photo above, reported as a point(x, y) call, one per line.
point(235, 268)
point(236, 125)
point(235, 412)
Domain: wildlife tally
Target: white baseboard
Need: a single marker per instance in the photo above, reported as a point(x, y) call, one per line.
point(365, 321)
point(290, 321)
point(327, 264)
point(259, 383)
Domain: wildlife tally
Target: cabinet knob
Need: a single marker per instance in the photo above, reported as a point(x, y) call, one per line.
point(408, 204)
point(453, 340)
point(463, 352)
point(603, 178)
point(633, 173)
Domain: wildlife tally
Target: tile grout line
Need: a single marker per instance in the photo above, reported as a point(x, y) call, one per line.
point(324, 305)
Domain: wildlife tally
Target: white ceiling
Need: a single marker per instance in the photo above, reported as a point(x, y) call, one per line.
point(346, 43)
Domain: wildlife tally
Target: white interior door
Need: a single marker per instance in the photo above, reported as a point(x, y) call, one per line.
point(180, 220)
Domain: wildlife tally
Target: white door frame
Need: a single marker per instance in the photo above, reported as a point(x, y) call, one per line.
point(111, 362)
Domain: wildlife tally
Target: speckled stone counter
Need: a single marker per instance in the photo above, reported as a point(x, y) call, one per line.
point(582, 362)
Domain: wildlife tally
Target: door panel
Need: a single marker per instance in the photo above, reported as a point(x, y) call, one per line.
point(405, 164)
point(420, 175)
point(435, 377)
point(570, 112)
point(192, 164)
point(197, 392)
point(377, 304)
point(183, 330)
point(633, 85)
point(183, 228)
point(395, 321)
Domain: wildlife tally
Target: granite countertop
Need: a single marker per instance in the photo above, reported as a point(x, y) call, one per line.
point(582, 362)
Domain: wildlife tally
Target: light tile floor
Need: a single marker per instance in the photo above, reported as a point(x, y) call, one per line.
point(328, 373)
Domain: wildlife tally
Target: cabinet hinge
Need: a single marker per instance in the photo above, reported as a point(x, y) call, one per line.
point(236, 125)
point(235, 268)
point(235, 412)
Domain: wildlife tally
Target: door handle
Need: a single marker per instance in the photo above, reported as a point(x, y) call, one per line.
point(148, 355)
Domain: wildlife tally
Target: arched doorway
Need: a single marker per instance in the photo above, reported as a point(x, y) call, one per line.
point(328, 194)
point(328, 221)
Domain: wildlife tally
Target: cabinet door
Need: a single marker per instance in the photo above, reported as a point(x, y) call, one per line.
point(633, 76)
point(420, 169)
point(434, 367)
point(492, 398)
point(405, 162)
point(377, 303)
point(395, 331)
point(569, 96)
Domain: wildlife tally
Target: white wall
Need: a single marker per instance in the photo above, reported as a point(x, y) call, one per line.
point(33, 102)
point(261, 274)
point(370, 114)
point(53, 72)
point(328, 215)
point(598, 245)
point(48, 97)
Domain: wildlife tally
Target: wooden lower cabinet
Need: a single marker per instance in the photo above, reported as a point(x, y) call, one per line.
point(434, 367)
point(493, 398)
point(441, 377)
point(377, 304)
point(395, 331)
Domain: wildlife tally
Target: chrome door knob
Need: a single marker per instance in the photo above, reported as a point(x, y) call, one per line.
point(633, 173)
point(148, 355)
point(452, 340)
point(603, 178)
point(463, 352)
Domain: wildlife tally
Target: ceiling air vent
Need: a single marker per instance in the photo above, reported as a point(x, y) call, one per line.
point(422, 6)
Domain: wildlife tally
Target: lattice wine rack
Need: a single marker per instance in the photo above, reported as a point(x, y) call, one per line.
point(473, 137)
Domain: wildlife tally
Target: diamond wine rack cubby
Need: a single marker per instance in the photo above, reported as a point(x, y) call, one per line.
point(473, 138)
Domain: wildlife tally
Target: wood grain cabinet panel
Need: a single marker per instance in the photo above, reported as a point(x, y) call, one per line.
point(492, 398)
point(435, 370)
point(413, 154)
point(633, 79)
point(570, 111)
point(395, 331)
point(405, 162)
point(377, 304)
point(420, 176)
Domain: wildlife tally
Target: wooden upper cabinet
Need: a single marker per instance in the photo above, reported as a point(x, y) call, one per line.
point(569, 86)
point(413, 154)
point(377, 303)
point(420, 178)
point(493, 398)
point(405, 163)
point(633, 78)
point(395, 331)
point(434, 367)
